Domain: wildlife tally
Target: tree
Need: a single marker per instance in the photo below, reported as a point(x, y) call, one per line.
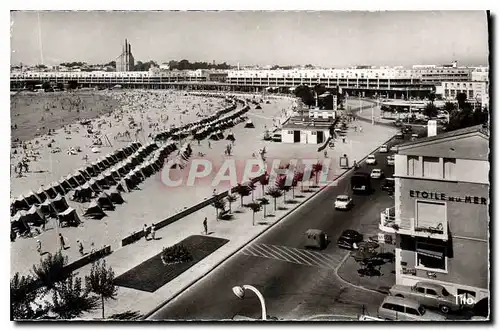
point(432, 97)
point(100, 281)
point(274, 193)
point(263, 202)
point(316, 169)
point(231, 198)
point(297, 177)
point(251, 187)
point(111, 64)
point(255, 207)
point(283, 185)
point(50, 271)
point(450, 106)
point(430, 110)
point(22, 295)
point(461, 99)
point(71, 299)
point(264, 180)
point(243, 191)
point(46, 86)
point(72, 84)
point(128, 315)
point(219, 204)
point(305, 94)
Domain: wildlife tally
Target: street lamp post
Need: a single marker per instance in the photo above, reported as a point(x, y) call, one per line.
point(239, 291)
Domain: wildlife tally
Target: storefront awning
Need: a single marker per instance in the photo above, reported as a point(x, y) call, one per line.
point(429, 253)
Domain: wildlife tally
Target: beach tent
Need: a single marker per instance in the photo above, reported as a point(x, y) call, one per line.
point(249, 124)
point(20, 203)
point(59, 203)
point(104, 201)
point(46, 208)
point(115, 196)
point(35, 216)
point(65, 186)
point(94, 211)
point(20, 222)
point(69, 217)
point(32, 198)
point(78, 177)
point(41, 194)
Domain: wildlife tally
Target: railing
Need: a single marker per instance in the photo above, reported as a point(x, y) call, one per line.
point(389, 223)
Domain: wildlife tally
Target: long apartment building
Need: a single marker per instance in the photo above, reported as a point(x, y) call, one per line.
point(357, 81)
point(441, 212)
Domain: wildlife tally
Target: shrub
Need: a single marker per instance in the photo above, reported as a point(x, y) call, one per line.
point(176, 254)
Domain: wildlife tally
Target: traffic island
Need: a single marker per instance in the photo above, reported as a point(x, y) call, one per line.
point(159, 270)
point(377, 274)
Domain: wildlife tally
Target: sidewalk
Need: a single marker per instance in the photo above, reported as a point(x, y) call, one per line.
point(239, 231)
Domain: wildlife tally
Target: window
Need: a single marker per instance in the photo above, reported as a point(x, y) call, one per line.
point(430, 215)
point(431, 292)
point(420, 289)
point(431, 167)
point(449, 168)
point(412, 165)
point(471, 94)
point(431, 257)
point(398, 308)
point(412, 311)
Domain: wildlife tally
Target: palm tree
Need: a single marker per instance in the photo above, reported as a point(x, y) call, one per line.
point(263, 202)
point(251, 187)
point(243, 191)
point(255, 207)
point(231, 198)
point(275, 193)
point(264, 180)
point(283, 185)
point(219, 204)
point(299, 177)
point(71, 299)
point(100, 281)
point(316, 168)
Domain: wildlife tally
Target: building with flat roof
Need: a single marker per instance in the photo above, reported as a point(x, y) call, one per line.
point(441, 213)
point(304, 130)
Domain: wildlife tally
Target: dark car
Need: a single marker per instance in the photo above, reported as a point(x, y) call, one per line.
point(399, 136)
point(388, 185)
point(407, 129)
point(348, 238)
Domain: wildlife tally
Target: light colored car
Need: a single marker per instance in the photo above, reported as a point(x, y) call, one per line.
point(428, 294)
point(383, 149)
point(343, 202)
point(390, 160)
point(377, 174)
point(371, 159)
point(394, 148)
point(401, 309)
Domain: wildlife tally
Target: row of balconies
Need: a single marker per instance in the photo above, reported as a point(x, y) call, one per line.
point(408, 226)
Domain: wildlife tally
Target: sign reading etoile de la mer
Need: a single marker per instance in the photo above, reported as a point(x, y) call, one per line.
point(444, 197)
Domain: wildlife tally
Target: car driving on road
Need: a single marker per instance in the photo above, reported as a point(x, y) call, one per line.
point(428, 294)
point(383, 149)
point(377, 174)
point(343, 202)
point(390, 160)
point(388, 185)
point(371, 159)
point(349, 238)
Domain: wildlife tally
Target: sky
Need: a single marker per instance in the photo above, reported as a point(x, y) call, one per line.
point(321, 38)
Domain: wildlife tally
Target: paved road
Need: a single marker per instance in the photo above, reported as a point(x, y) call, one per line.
point(296, 283)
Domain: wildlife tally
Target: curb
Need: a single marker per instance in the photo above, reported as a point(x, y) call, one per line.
point(254, 238)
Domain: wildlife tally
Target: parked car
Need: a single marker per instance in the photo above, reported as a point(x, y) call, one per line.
point(383, 149)
point(428, 294)
point(348, 238)
point(394, 149)
point(377, 174)
point(343, 202)
point(371, 159)
point(414, 137)
point(277, 137)
point(399, 136)
point(390, 160)
point(388, 185)
point(402, 309)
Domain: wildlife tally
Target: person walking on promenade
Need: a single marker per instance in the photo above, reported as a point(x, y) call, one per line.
point(145, 230)
point(80, 247)
point(205, 225)
point(62, 243)
point(39, 246)
point(153, 231)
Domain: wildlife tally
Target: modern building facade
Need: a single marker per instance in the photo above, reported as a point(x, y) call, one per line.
point(126, 59)
point(441, 212)
point(476, 91)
